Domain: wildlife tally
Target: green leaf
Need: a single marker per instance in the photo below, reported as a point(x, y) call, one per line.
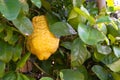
point(1, 27)
point(103, 49)
point(46, 78)
point(24, 77)
point(9, 35)
point(79, 53)
point(2, 68)
point(23, 24)
point(103, 19)
point(74, 18)
point(24, 6)
point(5, 51)
point(102, 27)
point(46, 5)
point(23, 60)
point(90, 35)
point(36, 3)
point(77, 3)
point(17, 50)
point(85, 15)
point(10, 8)
point(68, 74)
point(67, 45)
point(98, 56)
point(115, 66)
point(60, 29)
point(116, 51)
point(100, 72)
point(116, 76)
point(9, 76)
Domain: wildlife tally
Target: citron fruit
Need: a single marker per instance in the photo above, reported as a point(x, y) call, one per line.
point(42, 42)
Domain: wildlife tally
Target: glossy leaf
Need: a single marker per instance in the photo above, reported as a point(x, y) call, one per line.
point(77, 3)
point(5, 51)
point(104, 49)
point(23, 24)
point(115, 66)
point(100, 72)
point(36, 3)
point(79, 53)
point(23, 60)
point(2, 68)
point(60, 29)
point(98, 56)
point(9, 76)
point(90, 35)
point(46, 78)
point(10, 8)
point(116, 51)
point(75, 75)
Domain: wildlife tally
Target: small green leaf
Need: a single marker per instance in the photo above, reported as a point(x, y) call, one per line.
point(36, 3)
point(10, 76)
point(116, 51)
point(60, 29)
point(10, 8)
point(23, 24)
point(103, 49)
point(24, 6)
point(79, 53)
point(23, 60)
point(100, 72)
point(67, 45)
point(115, 66)
point(2, 68)
point(98, 56)
point(46, 78)
point(69, 74)
point(1, 27)
point(9, 35)
point(17, 50)
point(103, 19)
point(5, 51)
point(90, 35)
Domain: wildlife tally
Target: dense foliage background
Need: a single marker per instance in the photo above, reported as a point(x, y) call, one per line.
point(89, 40)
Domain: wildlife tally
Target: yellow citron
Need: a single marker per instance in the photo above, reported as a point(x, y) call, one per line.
point(110, 3)
point(42, 42)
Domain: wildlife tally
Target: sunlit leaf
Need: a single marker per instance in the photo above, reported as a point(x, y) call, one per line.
point(23, 24)
point(116, 51)
point(10, 8)
point(46, 78)
point(77, 3)
point(37, 3)
point(104, 49)
point(2, 68)
point(115, 66)
point(75, 75)
point(79, 53)
point(90, 35)
point(84, 14)
point(100, 72)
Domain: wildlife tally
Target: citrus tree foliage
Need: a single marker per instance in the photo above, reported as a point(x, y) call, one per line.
point(89, 40)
